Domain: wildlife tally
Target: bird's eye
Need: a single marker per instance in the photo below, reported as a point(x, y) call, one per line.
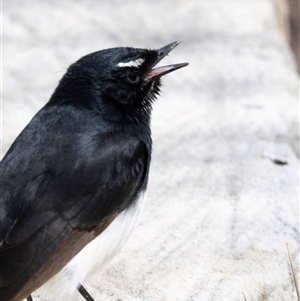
point(133, 78)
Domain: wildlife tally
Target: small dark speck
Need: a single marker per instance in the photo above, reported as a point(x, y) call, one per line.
point(280, 162)
point(275, 159)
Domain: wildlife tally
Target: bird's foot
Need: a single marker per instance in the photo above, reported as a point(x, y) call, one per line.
point(84, 293)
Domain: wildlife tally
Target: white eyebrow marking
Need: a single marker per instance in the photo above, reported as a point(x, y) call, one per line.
point(137, 63)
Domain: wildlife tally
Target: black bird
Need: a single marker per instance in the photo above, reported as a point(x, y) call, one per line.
point(73, 182)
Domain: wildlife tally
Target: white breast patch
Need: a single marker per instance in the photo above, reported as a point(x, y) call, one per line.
point(93, 256)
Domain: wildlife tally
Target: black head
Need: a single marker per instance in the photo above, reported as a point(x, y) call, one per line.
point(123, 79)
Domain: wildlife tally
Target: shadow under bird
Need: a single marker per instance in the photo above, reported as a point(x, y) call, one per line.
point(73, 183)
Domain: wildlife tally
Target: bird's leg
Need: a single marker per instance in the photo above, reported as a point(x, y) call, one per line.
point(84, 293)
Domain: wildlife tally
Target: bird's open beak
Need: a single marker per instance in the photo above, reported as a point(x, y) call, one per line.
point(160, 71)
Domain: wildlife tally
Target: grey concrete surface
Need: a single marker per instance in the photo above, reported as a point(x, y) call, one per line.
point(219, 210)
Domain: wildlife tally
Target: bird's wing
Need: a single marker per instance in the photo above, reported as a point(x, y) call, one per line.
point(50, 211)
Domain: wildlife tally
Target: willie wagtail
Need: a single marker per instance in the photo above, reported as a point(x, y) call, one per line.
point(72, 184)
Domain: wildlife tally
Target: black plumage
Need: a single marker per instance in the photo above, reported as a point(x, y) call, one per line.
point(82, 160)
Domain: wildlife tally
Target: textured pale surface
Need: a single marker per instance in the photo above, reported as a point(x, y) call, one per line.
point(219, 211)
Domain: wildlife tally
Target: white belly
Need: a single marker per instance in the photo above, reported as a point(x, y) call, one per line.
point(93, 256)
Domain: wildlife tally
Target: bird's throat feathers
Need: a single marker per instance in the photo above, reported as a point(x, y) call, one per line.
point(107, 99)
